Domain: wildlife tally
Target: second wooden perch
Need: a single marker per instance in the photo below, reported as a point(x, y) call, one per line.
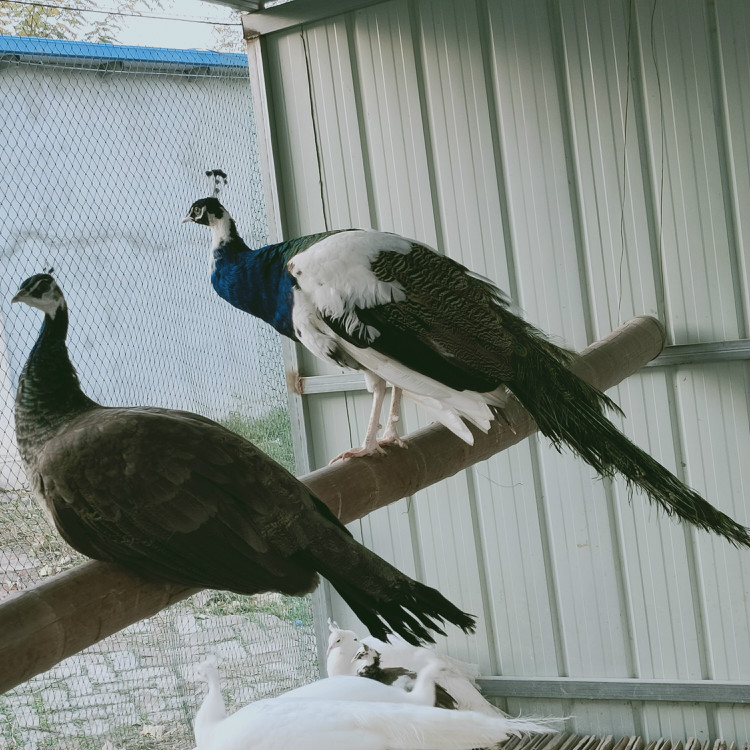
point(43, 625)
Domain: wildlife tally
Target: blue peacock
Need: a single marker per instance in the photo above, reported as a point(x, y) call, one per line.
point(403, 314)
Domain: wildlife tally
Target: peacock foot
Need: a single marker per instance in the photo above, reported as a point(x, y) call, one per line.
point(364, 450)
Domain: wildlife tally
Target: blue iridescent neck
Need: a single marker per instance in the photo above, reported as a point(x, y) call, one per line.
point(255, 281)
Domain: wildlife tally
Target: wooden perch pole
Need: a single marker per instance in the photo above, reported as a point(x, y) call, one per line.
point(45, 624)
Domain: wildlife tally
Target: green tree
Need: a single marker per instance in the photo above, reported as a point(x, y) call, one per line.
point(229, 38)
point(107, 28)
point(34, 20)
point(62, 19)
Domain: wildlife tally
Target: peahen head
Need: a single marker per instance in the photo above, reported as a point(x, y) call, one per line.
point(42, 291)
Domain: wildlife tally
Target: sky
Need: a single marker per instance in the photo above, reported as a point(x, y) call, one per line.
point(179, 34)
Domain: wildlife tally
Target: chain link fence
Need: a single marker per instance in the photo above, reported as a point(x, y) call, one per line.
point(103, 151)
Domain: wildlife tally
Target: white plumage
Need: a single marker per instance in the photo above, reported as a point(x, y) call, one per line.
point(327, 715)
point(355, 688)
point(334, 280)
point(338, 281)
point(455, 677)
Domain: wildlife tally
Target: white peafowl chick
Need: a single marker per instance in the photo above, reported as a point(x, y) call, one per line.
point(354, 688)
point(395, 663)
point(424, 683)
point(332, 714)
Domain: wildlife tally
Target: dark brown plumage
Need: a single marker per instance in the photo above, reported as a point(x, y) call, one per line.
point(174, 495)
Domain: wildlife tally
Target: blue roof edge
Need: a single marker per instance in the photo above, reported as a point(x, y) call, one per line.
point(61, 49)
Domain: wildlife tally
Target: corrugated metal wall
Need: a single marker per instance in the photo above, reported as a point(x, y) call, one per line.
point(592, 159)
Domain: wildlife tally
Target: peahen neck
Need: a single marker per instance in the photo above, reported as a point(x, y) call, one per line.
point(49, 393)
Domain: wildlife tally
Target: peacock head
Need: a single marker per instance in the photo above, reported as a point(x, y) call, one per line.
point(42, 291)
point(366, 656)
point(207, 211)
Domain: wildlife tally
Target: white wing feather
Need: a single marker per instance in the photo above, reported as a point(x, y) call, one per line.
point(334, 277)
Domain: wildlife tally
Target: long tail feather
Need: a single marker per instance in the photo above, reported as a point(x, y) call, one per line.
point(568, 410)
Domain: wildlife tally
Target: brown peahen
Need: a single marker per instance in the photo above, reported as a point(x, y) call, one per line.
point(176, 496)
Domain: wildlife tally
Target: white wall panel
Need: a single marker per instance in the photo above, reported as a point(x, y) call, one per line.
point(658, 583)
point(685, 172)
point(542, 220)
point(295, 136)
point(614, 207)
point(345, 195)
point(536, 176)
point(592, 159)
point(392, 121)
point(733, 41)
point(523, 613)
point(461, 127)
point(713, 399)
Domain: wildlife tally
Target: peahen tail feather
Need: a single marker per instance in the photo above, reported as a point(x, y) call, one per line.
point(385, 599)
point(569, 410)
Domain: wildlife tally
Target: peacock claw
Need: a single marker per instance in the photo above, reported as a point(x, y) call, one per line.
point(358, 453)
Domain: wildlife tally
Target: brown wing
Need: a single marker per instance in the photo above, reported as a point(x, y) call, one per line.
point(177, 496)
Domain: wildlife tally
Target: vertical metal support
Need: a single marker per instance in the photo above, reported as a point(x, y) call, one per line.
point(257, 72)
point(297, 414)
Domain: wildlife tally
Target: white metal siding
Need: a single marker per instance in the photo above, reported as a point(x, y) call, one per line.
point(592, 159)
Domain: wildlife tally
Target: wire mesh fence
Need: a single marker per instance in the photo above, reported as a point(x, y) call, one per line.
point(103, 151)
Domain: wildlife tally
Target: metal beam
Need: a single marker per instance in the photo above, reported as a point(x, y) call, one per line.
point(348, 381)
point(244, 6)
point(568, 688)
point(684, 354)
point(292, 14)
point(691, 354)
